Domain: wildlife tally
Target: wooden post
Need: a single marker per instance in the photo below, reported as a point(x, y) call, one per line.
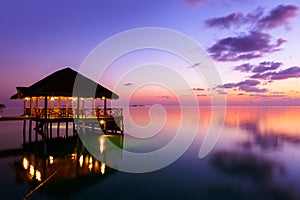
point(46, 113)
point(50, 130)
point(30, 106)
point(58, 104)
point(30, 130)
point(67, 127)
point(77, 113)
point(25, 106)
point(74, 130)
point(93, 107)
point(83, 111)
point(104, 105)
point(24, 131)
point(58, 126)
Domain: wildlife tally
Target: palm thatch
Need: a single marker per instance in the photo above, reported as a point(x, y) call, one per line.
point(61, 83)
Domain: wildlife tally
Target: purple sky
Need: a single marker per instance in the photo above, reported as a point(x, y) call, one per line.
point(254, 44)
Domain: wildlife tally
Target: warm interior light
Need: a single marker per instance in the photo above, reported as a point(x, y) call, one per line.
point(52, 98)
point(90, 166)
point(81, 160)
point(102, 168)
point(38, 175)
point(103, 98)
point(102, 121)
point(25, 163)
point(51, 160)
point(73, 156)
point(31, 170)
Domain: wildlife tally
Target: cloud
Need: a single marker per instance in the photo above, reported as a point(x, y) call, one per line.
point(266, 66)
point(195, 3)
point(198, 89)
point(260, 68)
point(246, 86)
point(292, 72)
point(163, 97)
point(194, 65)
point(246, 67)
point(279, 16)
point(244, 47)
point(202, 95)
point(221, 92)
point(234, 19)
point(127, 84)
point(255, 20)
point(267, 96)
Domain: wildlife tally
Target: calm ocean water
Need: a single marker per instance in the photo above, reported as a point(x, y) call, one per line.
point(256, 157)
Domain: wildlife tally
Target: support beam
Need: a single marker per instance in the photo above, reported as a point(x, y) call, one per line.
point(30, 130)
point(24, 131)
point(50, 130)
point(58, 127)
point(31, 106)
point(104, 99)
point(67, 129)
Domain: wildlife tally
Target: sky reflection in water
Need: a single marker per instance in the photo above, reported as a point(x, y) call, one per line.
point(256, 157)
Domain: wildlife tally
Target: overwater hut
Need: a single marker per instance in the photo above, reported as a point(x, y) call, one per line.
point(54, 100)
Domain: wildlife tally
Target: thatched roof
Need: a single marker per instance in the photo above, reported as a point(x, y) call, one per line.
point(61, 83)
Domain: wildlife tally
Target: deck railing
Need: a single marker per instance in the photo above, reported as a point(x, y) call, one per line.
point(73, 112)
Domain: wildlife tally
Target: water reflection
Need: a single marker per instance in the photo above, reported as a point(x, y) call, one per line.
point(268, 128)
point(246, 175)
point(65, 170)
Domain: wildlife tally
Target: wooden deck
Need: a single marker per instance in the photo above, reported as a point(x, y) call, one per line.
point(13, 118)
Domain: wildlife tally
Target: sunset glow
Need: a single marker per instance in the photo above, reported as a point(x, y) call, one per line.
point(254, 45)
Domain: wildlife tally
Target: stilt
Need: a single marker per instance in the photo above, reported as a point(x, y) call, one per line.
point(30, 130)
point(74, 130)
point(67, 127)
point(50, 130)
point(58, 127)
point(24, 131)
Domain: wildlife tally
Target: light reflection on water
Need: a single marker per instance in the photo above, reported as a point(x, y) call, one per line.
point(256, 157)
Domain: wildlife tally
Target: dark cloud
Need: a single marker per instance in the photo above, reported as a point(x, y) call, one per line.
point(198, 89)
point(246, 86)
point(194, 65)
point(244, 47)
point(260, 68)
point(267, 96)
point(292, 72)
point(279, 16)
point(266, 66)
point(127, 84)
point(246, 67)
